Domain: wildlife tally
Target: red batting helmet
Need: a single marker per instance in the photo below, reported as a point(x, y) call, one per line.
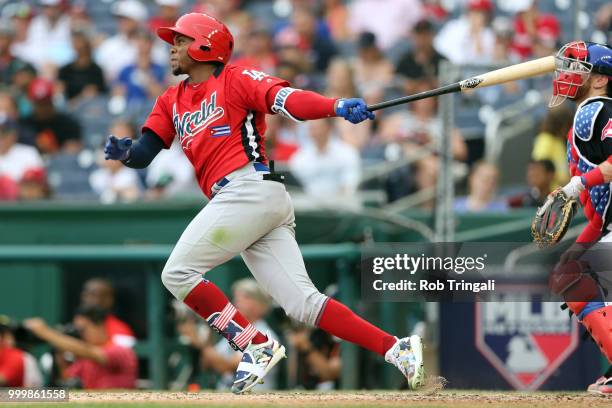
point(212, 41)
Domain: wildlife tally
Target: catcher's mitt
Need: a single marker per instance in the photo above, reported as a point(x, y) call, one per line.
point(553, 219)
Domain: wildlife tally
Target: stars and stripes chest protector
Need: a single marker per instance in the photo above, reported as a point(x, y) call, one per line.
point(587, 147)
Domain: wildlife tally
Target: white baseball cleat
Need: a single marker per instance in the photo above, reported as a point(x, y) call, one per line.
point(257, 361)
point(407, 355)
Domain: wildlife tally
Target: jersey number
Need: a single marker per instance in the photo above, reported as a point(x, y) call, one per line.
point(254, 75)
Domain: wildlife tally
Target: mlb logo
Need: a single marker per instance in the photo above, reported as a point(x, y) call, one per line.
point(525, 341)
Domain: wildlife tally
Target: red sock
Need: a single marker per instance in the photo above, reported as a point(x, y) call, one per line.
point(208, 301)
point(340, 321)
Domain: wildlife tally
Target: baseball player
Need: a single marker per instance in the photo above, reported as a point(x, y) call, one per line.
point(584, 74)
point(218, 114)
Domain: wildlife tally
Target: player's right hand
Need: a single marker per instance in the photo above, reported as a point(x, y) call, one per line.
point(117, 149)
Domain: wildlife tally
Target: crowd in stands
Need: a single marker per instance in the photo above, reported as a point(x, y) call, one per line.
point(74, 71)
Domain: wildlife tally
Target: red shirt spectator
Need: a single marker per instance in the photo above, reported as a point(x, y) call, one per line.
point(119, 332)
point(11, 367)
point(168, 13)
point(17, 368)
point(119, 371)
point(530, 27)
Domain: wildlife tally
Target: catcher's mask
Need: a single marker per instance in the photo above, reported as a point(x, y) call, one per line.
point(572, 71)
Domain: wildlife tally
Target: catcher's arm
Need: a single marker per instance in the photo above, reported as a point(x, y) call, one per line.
point(554, 217)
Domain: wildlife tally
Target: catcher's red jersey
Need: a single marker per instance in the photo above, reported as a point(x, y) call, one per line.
point(220, 123)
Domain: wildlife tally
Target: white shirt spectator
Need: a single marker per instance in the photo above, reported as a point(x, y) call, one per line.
point(32, 377)
point(329, 174)
point(455, 42)
point(389, 20)
point(121, 185)
point(18, 159)
point(46, 43)
point(118, 51)
point(172, 163)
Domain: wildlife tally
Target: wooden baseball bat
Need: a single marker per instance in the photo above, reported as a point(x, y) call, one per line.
point(515, 72)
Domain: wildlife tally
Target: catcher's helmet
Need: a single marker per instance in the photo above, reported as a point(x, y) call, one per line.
point(212, 41)
point(575, 62)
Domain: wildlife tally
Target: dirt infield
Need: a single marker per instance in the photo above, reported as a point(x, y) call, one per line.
point(446, 398)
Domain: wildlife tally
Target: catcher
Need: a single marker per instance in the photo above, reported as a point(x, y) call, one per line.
point(584, 74)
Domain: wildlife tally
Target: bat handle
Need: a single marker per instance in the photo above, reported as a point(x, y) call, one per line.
point(411, 98)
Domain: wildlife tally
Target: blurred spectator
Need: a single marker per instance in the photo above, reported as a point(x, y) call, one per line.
point(603, 22)
point(532, 27)
point(259, 52)
point(318, 364)
point(33, 186)
point(99, 292)
point(10, 65)
point(426, 171)
point(170, 174)
point(551, 142)
point(142, 81)
point(100, 364)
point(239, 22)
point(82, 78)
point(468, 39)
point(9, 189)
point(303, 34)
point(328, 168)
point(168, 11)
point(282, 138)
point(373, 71)
point(20, 14)
point(503, 55)
point(225, 10)
point(423, 60)
point(17, 368)
point(48, 40)
point(113, 181)
point(540, 175)
point(341, 84)
point(15, 158)
point(79, 18)
point(9, 111)
point(336, 17)
point(47, 128)
point(389, 20)
point(504, 31)
point(482, 189)
point(420, 126)
point(120, 50)
point(435, 11)
point(254, 303)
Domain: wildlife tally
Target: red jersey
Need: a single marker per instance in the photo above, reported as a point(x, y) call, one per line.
point(220, 123)
point(120, 370)
point(119, 332)
point(12, 367)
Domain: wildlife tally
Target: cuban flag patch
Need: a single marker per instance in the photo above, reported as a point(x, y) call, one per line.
point(220, 131)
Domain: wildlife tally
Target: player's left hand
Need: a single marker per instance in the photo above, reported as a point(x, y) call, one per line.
point(117, 149)
point(354, 110)
point(574, 187)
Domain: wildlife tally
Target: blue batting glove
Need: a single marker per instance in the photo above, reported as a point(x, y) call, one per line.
point(354, 110)
point(117, 149)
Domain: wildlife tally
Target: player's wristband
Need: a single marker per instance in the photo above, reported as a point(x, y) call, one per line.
point(592, 178)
